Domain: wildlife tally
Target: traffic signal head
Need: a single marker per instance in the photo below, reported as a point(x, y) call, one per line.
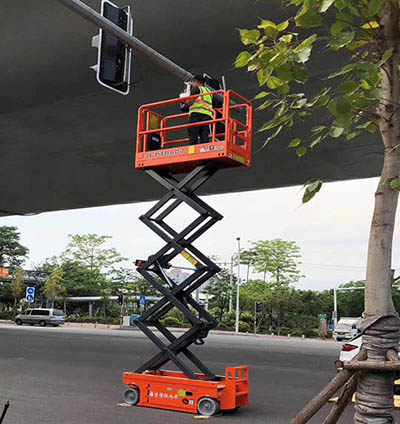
point(258, 307)
point(139, 262)
point(114, 57)
point(120, 299)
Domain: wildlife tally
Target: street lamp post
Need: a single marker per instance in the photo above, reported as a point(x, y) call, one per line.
point(238, 289)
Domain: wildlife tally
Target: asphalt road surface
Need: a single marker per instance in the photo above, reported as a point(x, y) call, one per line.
point(74, 376)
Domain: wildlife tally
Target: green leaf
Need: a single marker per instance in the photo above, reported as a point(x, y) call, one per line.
point(343, 106)
point(316, 141)
point(272, 136)
point(249, 36)
point(312, 190)
point(348, 87)
point(303, 55)
point(318, 130)
point(285, 72)
point(343, 71)
point(262, 76)
point(375, 93)
point(295, 142)
point(271, 30)
point(283, 89)
point(300, 74)
point(387, 55)
point(338, 41)
point(286, 38)
point(301, 151)
point(306, 43)
point(273, 82)
point(266, 104)
point(282, 26)
point(353, 135)
point(267, 24)
point(367, 126)
point(309, 19)
point(374, 6)
point(336, 132)
point(242, 59)
point(326, 4)
point(395, 184)
point(261, 95)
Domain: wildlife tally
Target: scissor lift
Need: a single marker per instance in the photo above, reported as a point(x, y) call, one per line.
point(182, 170)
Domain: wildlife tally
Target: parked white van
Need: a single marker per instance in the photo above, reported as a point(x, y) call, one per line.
point(41, 316)
point(346, 329)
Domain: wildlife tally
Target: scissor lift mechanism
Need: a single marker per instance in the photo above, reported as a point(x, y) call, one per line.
point(186, 390)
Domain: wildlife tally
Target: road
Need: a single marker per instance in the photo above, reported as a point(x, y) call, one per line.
point(71, 376)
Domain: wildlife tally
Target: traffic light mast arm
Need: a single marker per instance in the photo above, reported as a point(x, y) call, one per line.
point(95, 18)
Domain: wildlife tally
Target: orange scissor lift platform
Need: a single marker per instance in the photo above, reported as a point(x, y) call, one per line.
point(229, 146)
point(230, 141)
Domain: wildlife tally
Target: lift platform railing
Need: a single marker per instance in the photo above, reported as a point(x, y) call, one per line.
point(231, 132)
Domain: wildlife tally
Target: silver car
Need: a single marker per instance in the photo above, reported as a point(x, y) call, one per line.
point(41, 316)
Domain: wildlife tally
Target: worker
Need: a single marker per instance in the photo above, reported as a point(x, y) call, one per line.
point(200, 109)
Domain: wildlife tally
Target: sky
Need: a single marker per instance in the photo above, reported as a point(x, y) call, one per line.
point(331, 230)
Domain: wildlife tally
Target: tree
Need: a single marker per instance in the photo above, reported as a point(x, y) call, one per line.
point(363, 96)
point(89, 250)
point(279, 259)
point(12, 253)
point(18, 285)
point(54, 286)
point(219, 290)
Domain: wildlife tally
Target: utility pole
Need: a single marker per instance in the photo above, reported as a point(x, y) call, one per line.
point(231, 286)
point(95, 18)
point(238, 289)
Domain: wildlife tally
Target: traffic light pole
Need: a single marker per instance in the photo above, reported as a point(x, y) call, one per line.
point(95, 18)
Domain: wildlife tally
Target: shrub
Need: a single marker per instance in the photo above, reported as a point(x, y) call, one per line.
point(172, 322)
point(93, 320)
point(244, 327)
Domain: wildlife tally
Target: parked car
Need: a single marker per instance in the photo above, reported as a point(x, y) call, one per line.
point(351, 348)
point(41, 316)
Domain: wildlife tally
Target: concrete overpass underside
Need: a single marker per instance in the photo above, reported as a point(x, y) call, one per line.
point(67, 142)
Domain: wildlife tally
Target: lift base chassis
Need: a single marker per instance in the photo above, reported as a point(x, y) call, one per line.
point(173, 390)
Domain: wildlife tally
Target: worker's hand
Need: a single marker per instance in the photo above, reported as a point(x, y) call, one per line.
point(189, 102)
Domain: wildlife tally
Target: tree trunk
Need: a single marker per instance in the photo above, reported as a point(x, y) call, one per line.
point(374, 399)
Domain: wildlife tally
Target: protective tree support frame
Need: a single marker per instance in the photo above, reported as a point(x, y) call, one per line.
point(182, 170)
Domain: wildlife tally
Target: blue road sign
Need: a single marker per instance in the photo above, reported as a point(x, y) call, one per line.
point(142, 300)
point(30, 294)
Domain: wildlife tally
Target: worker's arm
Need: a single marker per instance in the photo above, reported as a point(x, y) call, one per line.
point(193, 92)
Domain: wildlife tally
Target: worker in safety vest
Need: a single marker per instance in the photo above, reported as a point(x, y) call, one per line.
point(200, 109)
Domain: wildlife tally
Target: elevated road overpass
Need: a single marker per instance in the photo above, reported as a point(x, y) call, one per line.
point(67, 142)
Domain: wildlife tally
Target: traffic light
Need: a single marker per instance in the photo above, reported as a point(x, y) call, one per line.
point(121, 299)
point(258, 307)
point(139, 262)
point(113, 69)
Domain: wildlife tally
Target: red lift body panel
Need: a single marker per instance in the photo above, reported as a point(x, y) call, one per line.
point(173, 390)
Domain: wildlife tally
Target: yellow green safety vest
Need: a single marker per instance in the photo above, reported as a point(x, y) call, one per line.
point(199, 107)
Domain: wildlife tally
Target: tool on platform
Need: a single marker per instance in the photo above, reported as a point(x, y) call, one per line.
point(182, 169)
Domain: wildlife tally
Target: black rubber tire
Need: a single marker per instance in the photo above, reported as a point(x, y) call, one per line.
point(31, 324)
point(42, 323)
point(131, 396)
point(55, 325)
point(339, 339)
point(207, 406)
point(18, 322)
